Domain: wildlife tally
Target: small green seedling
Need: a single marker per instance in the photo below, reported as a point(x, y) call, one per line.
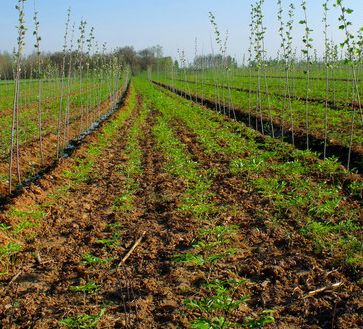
point(220, 299)
point(88, 288)
point(90, 259)
point(264, 319)
point(221, 231)
point(7, 253)
point(110, 243)
point(189, 258)
point(83, 321)
point(4, 227)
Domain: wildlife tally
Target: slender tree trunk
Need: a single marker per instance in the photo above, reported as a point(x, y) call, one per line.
point(13, 125)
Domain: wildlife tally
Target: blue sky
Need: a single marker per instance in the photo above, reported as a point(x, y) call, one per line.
point(171, 23)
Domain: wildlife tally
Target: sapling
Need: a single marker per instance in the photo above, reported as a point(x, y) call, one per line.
point(334, 66)
point(15, 118)
point(352, 51)
point(69, 81)
point(289, 63)
point(331, 52)
point(259, 55)
point(89, 42)
point(227, 67)
point(218, 40)
point(224, 67)
point(285, 32)
point(109, 66)
point(38, 38)
point(250, 61)
point(359, 50)
point(203, 69)
point(196, 67)
point(97, 80)
point(81, 42)
point(215, 64)
point(60, 111)
point(28, 72)
point(359, 59)
point(316, 60)
point(113, 74)
point(114, 79)
point(183, 67)
point(307, 41)
point(103, 66)
point(284, 59)
point(223, 64)
point(173, 68)
point(184, 62)
point(263, 31)
point(109, 73)
point(327, 67)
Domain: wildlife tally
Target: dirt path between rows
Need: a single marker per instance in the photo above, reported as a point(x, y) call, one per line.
point(142, 293)
point(151, 278)
point(281, 264)
point(148, 290)
point(40, 295)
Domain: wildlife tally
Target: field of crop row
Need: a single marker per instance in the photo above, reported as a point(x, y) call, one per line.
point(339, 125)
point(175, 215)
point(61, 110)
point(178, 185)
point(338, 92)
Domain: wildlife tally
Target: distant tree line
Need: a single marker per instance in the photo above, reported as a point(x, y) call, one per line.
point(214, 61)
point(6, 66)
point(138, 61)
point(148, 58)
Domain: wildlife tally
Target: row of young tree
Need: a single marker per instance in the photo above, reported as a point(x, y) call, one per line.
point(339, 61)
point(62, 93)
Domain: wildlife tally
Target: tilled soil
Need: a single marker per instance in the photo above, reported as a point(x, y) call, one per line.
point(40, 295)
point(281, 265)
point(148, 289)
point(151, 276)
point(137, 294)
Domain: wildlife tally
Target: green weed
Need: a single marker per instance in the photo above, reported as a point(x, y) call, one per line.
point(111, 242)
point(189, 258)
point(265, 318)
point(7, 254)
point(221, 231)
point(4, 227)
point(92, 260)
point(83, 321)
point(220, 299)
point(89, 287)
point(35, 214)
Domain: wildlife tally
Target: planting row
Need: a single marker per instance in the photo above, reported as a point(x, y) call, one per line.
point(312, 123)
point(242, 189)
point(43, 129)
point(338, 92)
point(226, 228)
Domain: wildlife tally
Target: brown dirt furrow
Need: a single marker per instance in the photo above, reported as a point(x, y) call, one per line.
point(41, 294)
point(281, 265)
point(153, 278)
